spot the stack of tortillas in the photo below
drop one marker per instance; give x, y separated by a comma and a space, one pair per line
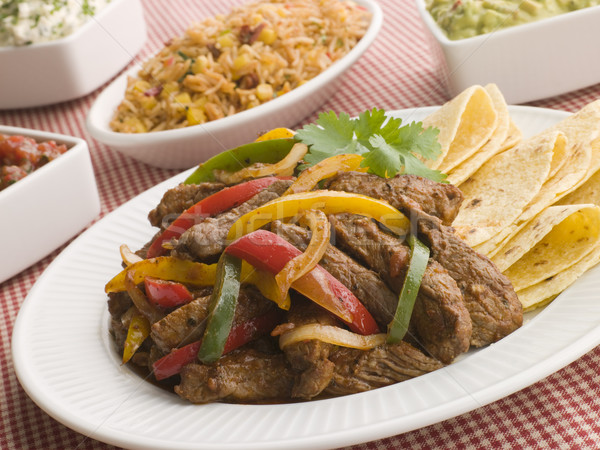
531, 205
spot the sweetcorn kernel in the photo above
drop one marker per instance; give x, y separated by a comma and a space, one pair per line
134, 125
264, 91
241, 61
141, 86
169, 88
267, 35
199, 65
226, 40
195, 116
148, 102
183, 98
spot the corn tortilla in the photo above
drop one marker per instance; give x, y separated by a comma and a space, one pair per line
494, 145
497, 193
543, 292
466, 123
565, 243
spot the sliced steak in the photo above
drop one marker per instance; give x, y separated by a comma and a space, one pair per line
242, 376
187, 323
176, 200
309, 358
208, 238
489, 296
359, 371
365, 284
403, 192
440, 319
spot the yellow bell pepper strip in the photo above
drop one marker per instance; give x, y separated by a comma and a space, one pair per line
270, 252
276, 133
149, 311
212, 205
138, 331
310, 177
330, 202
268, 152
414, 274
166, 294
172, 363
266, 284
330, 334
194, 274
165, 268
302, 264
284, 167
221, 309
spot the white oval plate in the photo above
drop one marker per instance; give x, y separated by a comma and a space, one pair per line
67, 364
185, 147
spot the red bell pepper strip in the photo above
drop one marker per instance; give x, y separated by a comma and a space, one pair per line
167, 294
270, 252
240, 334
213, 204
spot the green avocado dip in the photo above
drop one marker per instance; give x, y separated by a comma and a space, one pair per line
462, 19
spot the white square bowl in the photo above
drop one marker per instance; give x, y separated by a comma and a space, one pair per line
73, 66
528, 62
45, 209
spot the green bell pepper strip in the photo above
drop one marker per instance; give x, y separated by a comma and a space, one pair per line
222, 308
269, 152
416, 268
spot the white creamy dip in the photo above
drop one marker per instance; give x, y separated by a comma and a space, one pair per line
24, 22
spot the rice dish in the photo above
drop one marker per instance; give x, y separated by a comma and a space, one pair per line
231, 63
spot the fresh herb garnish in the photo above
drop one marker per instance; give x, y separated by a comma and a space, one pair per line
388, 147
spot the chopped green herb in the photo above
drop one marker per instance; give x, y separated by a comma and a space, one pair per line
388, 147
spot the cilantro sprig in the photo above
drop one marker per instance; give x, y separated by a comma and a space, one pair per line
388, 147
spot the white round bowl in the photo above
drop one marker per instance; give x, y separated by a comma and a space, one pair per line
73, 66
186, 147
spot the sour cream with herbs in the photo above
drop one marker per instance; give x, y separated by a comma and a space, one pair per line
24, 22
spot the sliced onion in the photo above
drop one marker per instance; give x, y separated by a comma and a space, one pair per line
309, 178
128, 256
304, 263
283, 168
149, 311
332, 335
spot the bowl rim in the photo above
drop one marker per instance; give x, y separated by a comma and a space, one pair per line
443, 39
74, 145
102, 132
65, 40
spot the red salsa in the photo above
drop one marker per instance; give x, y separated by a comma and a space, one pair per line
20, 155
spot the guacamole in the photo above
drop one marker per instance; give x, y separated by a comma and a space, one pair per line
461, 19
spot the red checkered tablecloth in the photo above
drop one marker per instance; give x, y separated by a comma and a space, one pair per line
398, 71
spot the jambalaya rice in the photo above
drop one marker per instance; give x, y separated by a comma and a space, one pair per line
227, 64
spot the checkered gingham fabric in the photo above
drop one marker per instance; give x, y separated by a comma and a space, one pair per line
398, 71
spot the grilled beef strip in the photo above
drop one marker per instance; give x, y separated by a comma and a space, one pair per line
187, 323
333, 370
364, 283
206, 240
309, 358
242, 376
176, 200
489, 295
360, 370
403, 191
440, 322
